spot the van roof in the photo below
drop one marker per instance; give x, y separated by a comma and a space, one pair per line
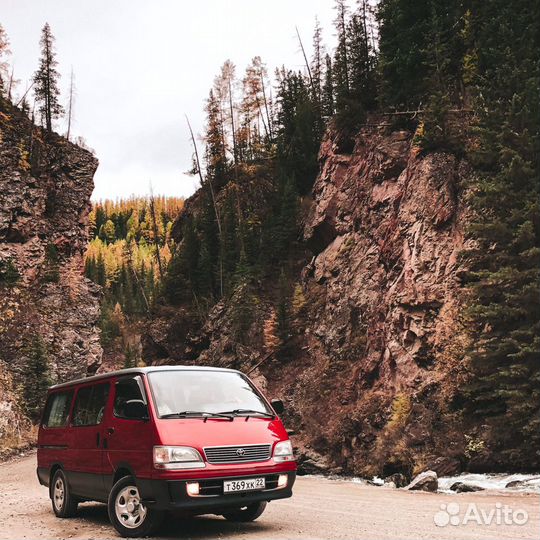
138, 370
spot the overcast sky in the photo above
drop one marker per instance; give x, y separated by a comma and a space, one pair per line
140, 65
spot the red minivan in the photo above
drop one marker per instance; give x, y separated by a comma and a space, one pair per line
146, 440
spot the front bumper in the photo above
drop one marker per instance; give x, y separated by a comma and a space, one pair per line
172, 494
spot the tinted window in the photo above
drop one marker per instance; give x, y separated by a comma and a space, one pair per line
126, 390
57, 409
207, 391
90, 405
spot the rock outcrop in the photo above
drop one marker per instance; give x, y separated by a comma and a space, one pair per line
426, 481
379, 361
375, 362
45, 188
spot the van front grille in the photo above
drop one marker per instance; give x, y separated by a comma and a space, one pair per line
238, 454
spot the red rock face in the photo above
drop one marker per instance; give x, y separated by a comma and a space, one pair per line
387, 225
376, 359
396, 225
45, 188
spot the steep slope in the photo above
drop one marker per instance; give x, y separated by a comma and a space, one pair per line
380, 363
45, 301
375, 360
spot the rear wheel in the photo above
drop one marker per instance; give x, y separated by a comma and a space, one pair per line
249, 512
63, 502
129, 516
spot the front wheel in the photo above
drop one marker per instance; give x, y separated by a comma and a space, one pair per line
63, 502
247, 513
128, 514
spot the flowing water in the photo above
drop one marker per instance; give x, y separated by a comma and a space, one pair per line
530, 483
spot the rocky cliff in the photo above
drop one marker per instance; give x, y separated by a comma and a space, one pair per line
382, 355
372, 384
45, 188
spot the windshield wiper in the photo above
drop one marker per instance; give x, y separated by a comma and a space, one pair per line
249, 412
203, 414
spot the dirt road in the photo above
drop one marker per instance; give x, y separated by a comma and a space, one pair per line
320, 508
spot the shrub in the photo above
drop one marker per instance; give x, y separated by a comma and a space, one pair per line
9, 275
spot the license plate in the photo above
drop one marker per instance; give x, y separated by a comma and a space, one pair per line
247, 484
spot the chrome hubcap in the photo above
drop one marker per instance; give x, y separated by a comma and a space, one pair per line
58, 494
128, 507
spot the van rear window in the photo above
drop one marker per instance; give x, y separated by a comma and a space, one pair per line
90, 405
57, 409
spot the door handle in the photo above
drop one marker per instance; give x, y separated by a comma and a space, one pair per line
97, 439
110, 431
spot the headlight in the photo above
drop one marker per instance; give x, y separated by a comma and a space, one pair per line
283, 451
177, 457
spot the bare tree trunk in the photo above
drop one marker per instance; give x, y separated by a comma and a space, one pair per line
70, 105
235, 149
24, 95
306, 61
261, 116
269, 120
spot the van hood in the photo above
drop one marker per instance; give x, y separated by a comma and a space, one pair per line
197, 433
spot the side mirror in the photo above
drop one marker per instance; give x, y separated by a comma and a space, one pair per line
277, 405
135, 409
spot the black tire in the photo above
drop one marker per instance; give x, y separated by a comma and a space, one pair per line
247, 513
127, 514
64, 504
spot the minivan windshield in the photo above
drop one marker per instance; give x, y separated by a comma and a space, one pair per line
189, 392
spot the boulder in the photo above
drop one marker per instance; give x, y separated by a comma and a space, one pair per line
397, 479
460, 487
523, 483
426, 481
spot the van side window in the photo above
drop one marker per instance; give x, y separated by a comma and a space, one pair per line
57, 409
127, 389
90, 405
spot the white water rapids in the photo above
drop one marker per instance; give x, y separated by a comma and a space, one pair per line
530, 483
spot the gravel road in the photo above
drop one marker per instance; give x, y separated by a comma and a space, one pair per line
320, 508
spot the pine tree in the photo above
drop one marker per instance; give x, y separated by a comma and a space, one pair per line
229, 246
35, 376
504, 392
361, 61
298, 137
327, 100
404, 30
242, 311
9, 275
215, 146
101, 277
46, 78
181, 279
224, 93
341, 57
317, 63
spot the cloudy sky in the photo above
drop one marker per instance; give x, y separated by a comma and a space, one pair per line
140, 65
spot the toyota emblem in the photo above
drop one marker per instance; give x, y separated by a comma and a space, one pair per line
240, 452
